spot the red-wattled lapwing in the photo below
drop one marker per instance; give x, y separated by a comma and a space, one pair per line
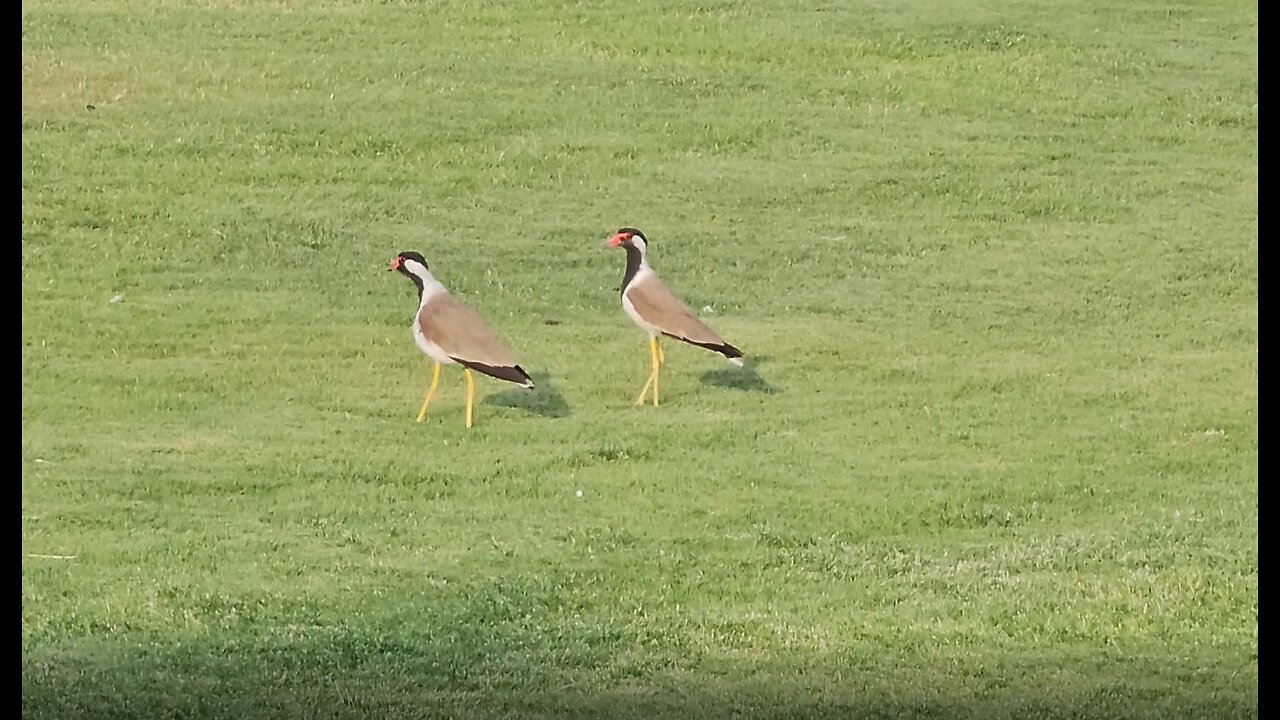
658, 311
452, 333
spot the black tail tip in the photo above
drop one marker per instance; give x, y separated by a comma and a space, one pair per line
528, 381
731, 353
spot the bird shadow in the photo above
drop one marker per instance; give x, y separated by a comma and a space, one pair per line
746, 378
544, 399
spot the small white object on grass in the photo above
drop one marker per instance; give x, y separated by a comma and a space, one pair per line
579, 493
116, 298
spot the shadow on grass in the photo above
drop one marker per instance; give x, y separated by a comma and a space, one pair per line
465, 673
746, 378
544, 399
529, 647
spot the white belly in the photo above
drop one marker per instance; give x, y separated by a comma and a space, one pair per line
635, 316
432, 350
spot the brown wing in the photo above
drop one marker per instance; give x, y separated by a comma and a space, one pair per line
462, 333
662, 309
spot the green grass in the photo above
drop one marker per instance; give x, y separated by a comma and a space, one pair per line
994, 455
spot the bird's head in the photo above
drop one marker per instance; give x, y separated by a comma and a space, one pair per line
410, 263
629, 237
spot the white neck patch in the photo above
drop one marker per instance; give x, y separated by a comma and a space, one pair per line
430, 286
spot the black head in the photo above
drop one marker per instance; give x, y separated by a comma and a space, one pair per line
398, 262
628, 236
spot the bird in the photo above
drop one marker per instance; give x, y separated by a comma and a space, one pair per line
451, 333
657, 310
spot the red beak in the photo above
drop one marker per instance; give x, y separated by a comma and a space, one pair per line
617, 239
395, 264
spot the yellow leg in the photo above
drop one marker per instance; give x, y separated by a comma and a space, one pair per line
435, 380
657, 367
653, 374
471, 392
645, 390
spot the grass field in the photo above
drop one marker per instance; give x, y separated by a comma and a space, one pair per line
994, 453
